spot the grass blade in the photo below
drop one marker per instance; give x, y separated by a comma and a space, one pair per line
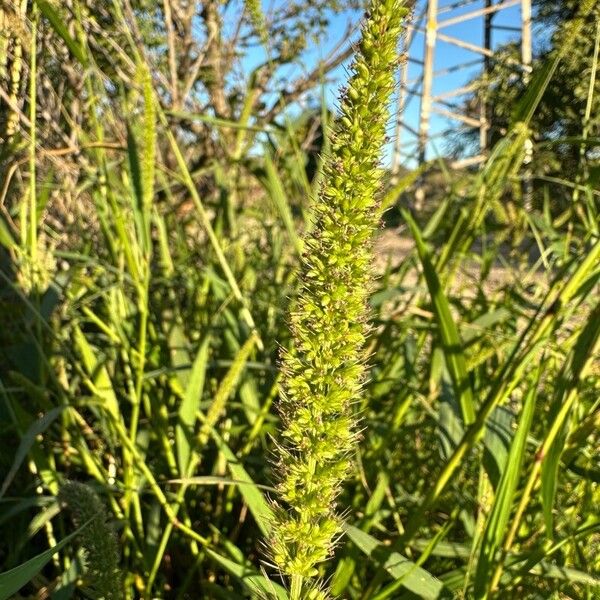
254, 498
567, 384
100, 378
495, 527
12, 581
27, 440
189, 406
277, 194
451, 342
206, 223
414, 578
259, 585
58, 24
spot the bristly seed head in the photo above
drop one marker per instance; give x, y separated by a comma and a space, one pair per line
98, 539
324, 373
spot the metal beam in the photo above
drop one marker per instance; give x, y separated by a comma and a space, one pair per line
484, 116
478, 13
484, 50
456, 5
430, 38
455, 68
448, 102
467, 162
526, 51
404, 96
465, 89
526, 58
506, 28
456, 116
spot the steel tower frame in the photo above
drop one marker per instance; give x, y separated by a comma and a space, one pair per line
431, 19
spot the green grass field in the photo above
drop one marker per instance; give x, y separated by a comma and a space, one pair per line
169, 335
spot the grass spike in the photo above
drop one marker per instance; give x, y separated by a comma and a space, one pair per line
98, 538
324, 373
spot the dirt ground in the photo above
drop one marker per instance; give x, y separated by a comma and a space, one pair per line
395, 245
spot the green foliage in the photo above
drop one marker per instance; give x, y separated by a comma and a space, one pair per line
12, 581
154, 240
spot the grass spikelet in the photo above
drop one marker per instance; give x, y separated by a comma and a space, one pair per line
149, 154
324, 373
98, 539
257, 18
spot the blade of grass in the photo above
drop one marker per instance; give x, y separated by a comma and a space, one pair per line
205, 221
259, 585
259, 507
566, 387
27, 440
561, 294
189, 406
451, 342
577, 364
224, 390
497, 520
12, 581
277, 194
414, 578
58, 24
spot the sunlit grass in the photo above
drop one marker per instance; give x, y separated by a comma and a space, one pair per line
141, 346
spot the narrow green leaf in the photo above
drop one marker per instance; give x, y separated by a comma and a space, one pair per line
392, 195
343, 575
27, 440
206, 223
254, 581
415, 578
19, 505
135, 171
347, 564
495, 528
254, 498
102, 384
58, 24
526, 107
275, 189
451, 342
550, 571
189, 406
483, 324
566, 384
497, 440
6, 237
12, 581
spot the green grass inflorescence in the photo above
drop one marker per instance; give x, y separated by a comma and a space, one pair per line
98, 539
324, 373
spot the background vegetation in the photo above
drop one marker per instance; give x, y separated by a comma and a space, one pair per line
156, 172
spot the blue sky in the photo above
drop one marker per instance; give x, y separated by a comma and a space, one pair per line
447, 55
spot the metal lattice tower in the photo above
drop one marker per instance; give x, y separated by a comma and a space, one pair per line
432, 20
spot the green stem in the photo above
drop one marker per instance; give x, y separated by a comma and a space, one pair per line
194, 462
296, 587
